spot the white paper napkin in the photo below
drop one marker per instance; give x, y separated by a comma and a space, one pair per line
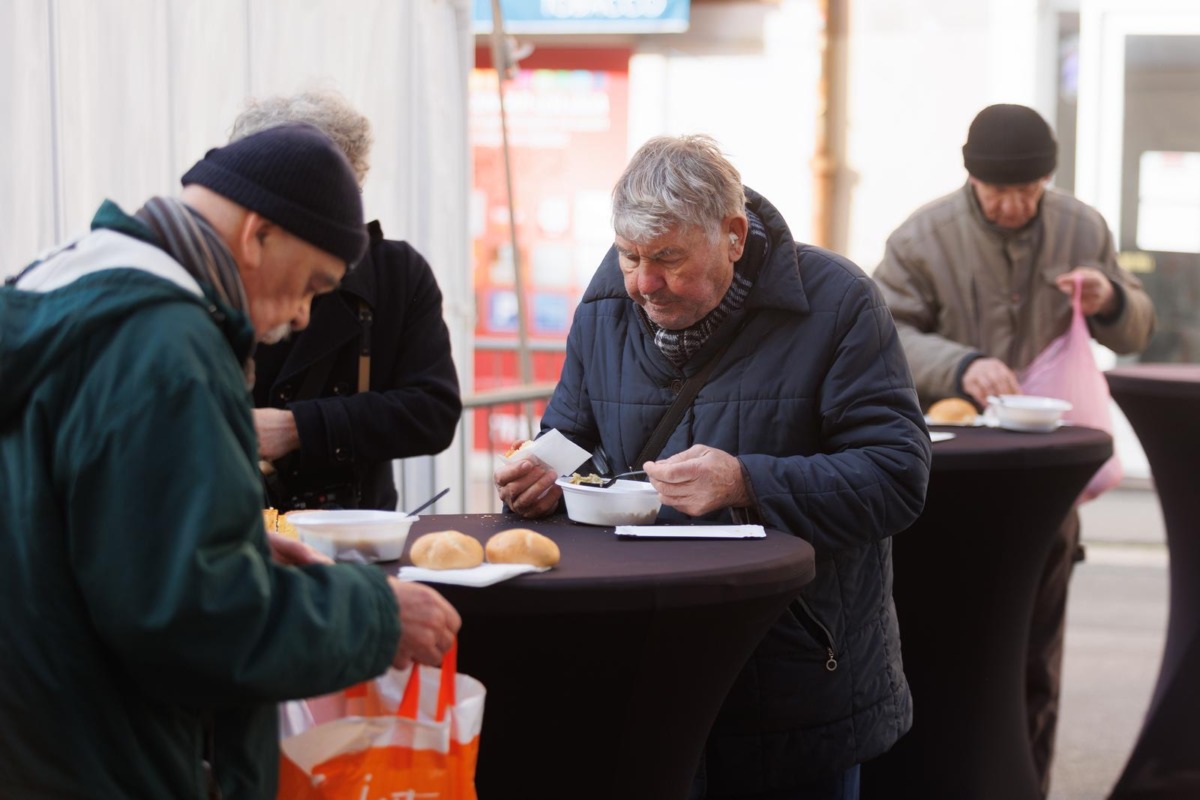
483, 575
692, 531
555, 451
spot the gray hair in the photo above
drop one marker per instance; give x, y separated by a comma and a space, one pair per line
676, 180
324, 109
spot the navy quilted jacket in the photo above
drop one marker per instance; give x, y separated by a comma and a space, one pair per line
816, 399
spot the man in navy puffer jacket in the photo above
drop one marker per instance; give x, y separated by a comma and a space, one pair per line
808, 424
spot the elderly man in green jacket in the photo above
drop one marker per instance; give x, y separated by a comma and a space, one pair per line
979, 283
146, 632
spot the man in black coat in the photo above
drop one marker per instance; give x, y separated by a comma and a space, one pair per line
371, 378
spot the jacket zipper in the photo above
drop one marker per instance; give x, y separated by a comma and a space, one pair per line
831, 664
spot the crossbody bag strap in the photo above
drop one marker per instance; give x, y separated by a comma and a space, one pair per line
318, 373
365, 318
687, 393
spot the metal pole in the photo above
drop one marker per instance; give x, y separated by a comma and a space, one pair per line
500, 63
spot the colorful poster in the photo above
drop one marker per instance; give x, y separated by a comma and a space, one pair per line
567, 146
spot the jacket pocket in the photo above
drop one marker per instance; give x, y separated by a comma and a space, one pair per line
819, 631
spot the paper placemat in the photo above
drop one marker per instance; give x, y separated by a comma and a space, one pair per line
483, 575
691, 531
941, 436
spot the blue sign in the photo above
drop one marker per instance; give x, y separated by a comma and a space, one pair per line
584, 16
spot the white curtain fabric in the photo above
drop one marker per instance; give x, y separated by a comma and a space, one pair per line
117, 99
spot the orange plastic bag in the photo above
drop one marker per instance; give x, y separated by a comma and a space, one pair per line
408, 733
1066, 369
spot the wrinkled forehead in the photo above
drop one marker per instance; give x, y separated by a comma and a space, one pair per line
674, 234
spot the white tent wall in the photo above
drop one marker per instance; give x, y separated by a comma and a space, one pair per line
118, 98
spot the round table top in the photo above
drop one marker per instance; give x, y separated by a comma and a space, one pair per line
600, 572
1164, 380
996, 448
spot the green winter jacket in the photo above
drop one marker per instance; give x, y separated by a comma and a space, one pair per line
143, 625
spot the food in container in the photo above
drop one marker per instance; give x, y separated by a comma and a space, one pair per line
1026, 412
354, 535
623, 503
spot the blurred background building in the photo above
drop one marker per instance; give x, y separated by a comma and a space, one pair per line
848, 114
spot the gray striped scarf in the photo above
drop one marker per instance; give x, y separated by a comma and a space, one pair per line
189, 239
679, 346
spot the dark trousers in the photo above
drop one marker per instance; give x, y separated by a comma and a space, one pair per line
1043, 663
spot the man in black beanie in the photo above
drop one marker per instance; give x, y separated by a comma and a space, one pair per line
979, 283
140, 597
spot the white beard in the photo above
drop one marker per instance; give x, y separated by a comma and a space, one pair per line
276, 334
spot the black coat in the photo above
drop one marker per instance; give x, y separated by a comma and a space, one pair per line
347, 439
816, 400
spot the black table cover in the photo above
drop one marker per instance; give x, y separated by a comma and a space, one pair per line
966, 574
604, 675
1162, 403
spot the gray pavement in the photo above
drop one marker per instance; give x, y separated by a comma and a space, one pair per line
1116, 621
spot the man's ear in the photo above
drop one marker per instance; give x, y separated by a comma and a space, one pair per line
737, 227
248, 239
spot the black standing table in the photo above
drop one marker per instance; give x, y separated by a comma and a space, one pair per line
966, 574
604, 675
1162, 403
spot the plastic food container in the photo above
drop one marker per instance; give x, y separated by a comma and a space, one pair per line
361, 536
623, 503
1025, 412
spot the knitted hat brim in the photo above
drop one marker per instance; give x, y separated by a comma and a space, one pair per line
346, 242
1010, 169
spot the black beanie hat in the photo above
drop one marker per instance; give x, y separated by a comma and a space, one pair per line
296, 177
1010, 144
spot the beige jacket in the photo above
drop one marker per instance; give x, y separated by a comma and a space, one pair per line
958, 287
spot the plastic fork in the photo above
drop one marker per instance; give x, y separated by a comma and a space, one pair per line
637, 473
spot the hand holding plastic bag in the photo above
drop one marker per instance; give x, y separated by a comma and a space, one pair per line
408, 733
1066, 369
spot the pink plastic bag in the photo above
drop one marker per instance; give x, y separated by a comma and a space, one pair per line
1067, 370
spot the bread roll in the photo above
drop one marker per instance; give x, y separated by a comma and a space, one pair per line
518, 447
952, 410
446, 550
522, 546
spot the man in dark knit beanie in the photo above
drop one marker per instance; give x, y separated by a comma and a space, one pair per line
286, 204
980, 283
1010, 144
162, 611
296, 177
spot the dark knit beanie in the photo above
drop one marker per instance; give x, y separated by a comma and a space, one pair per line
1010, 144
296, 177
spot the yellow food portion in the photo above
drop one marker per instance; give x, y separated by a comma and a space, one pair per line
277, 523
593, 479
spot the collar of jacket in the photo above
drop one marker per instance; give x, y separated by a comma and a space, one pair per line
778, 286
236, 326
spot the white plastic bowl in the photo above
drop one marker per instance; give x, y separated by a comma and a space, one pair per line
354, 535
1025, 412
623, 503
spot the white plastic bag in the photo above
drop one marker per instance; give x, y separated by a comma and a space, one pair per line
407, 733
